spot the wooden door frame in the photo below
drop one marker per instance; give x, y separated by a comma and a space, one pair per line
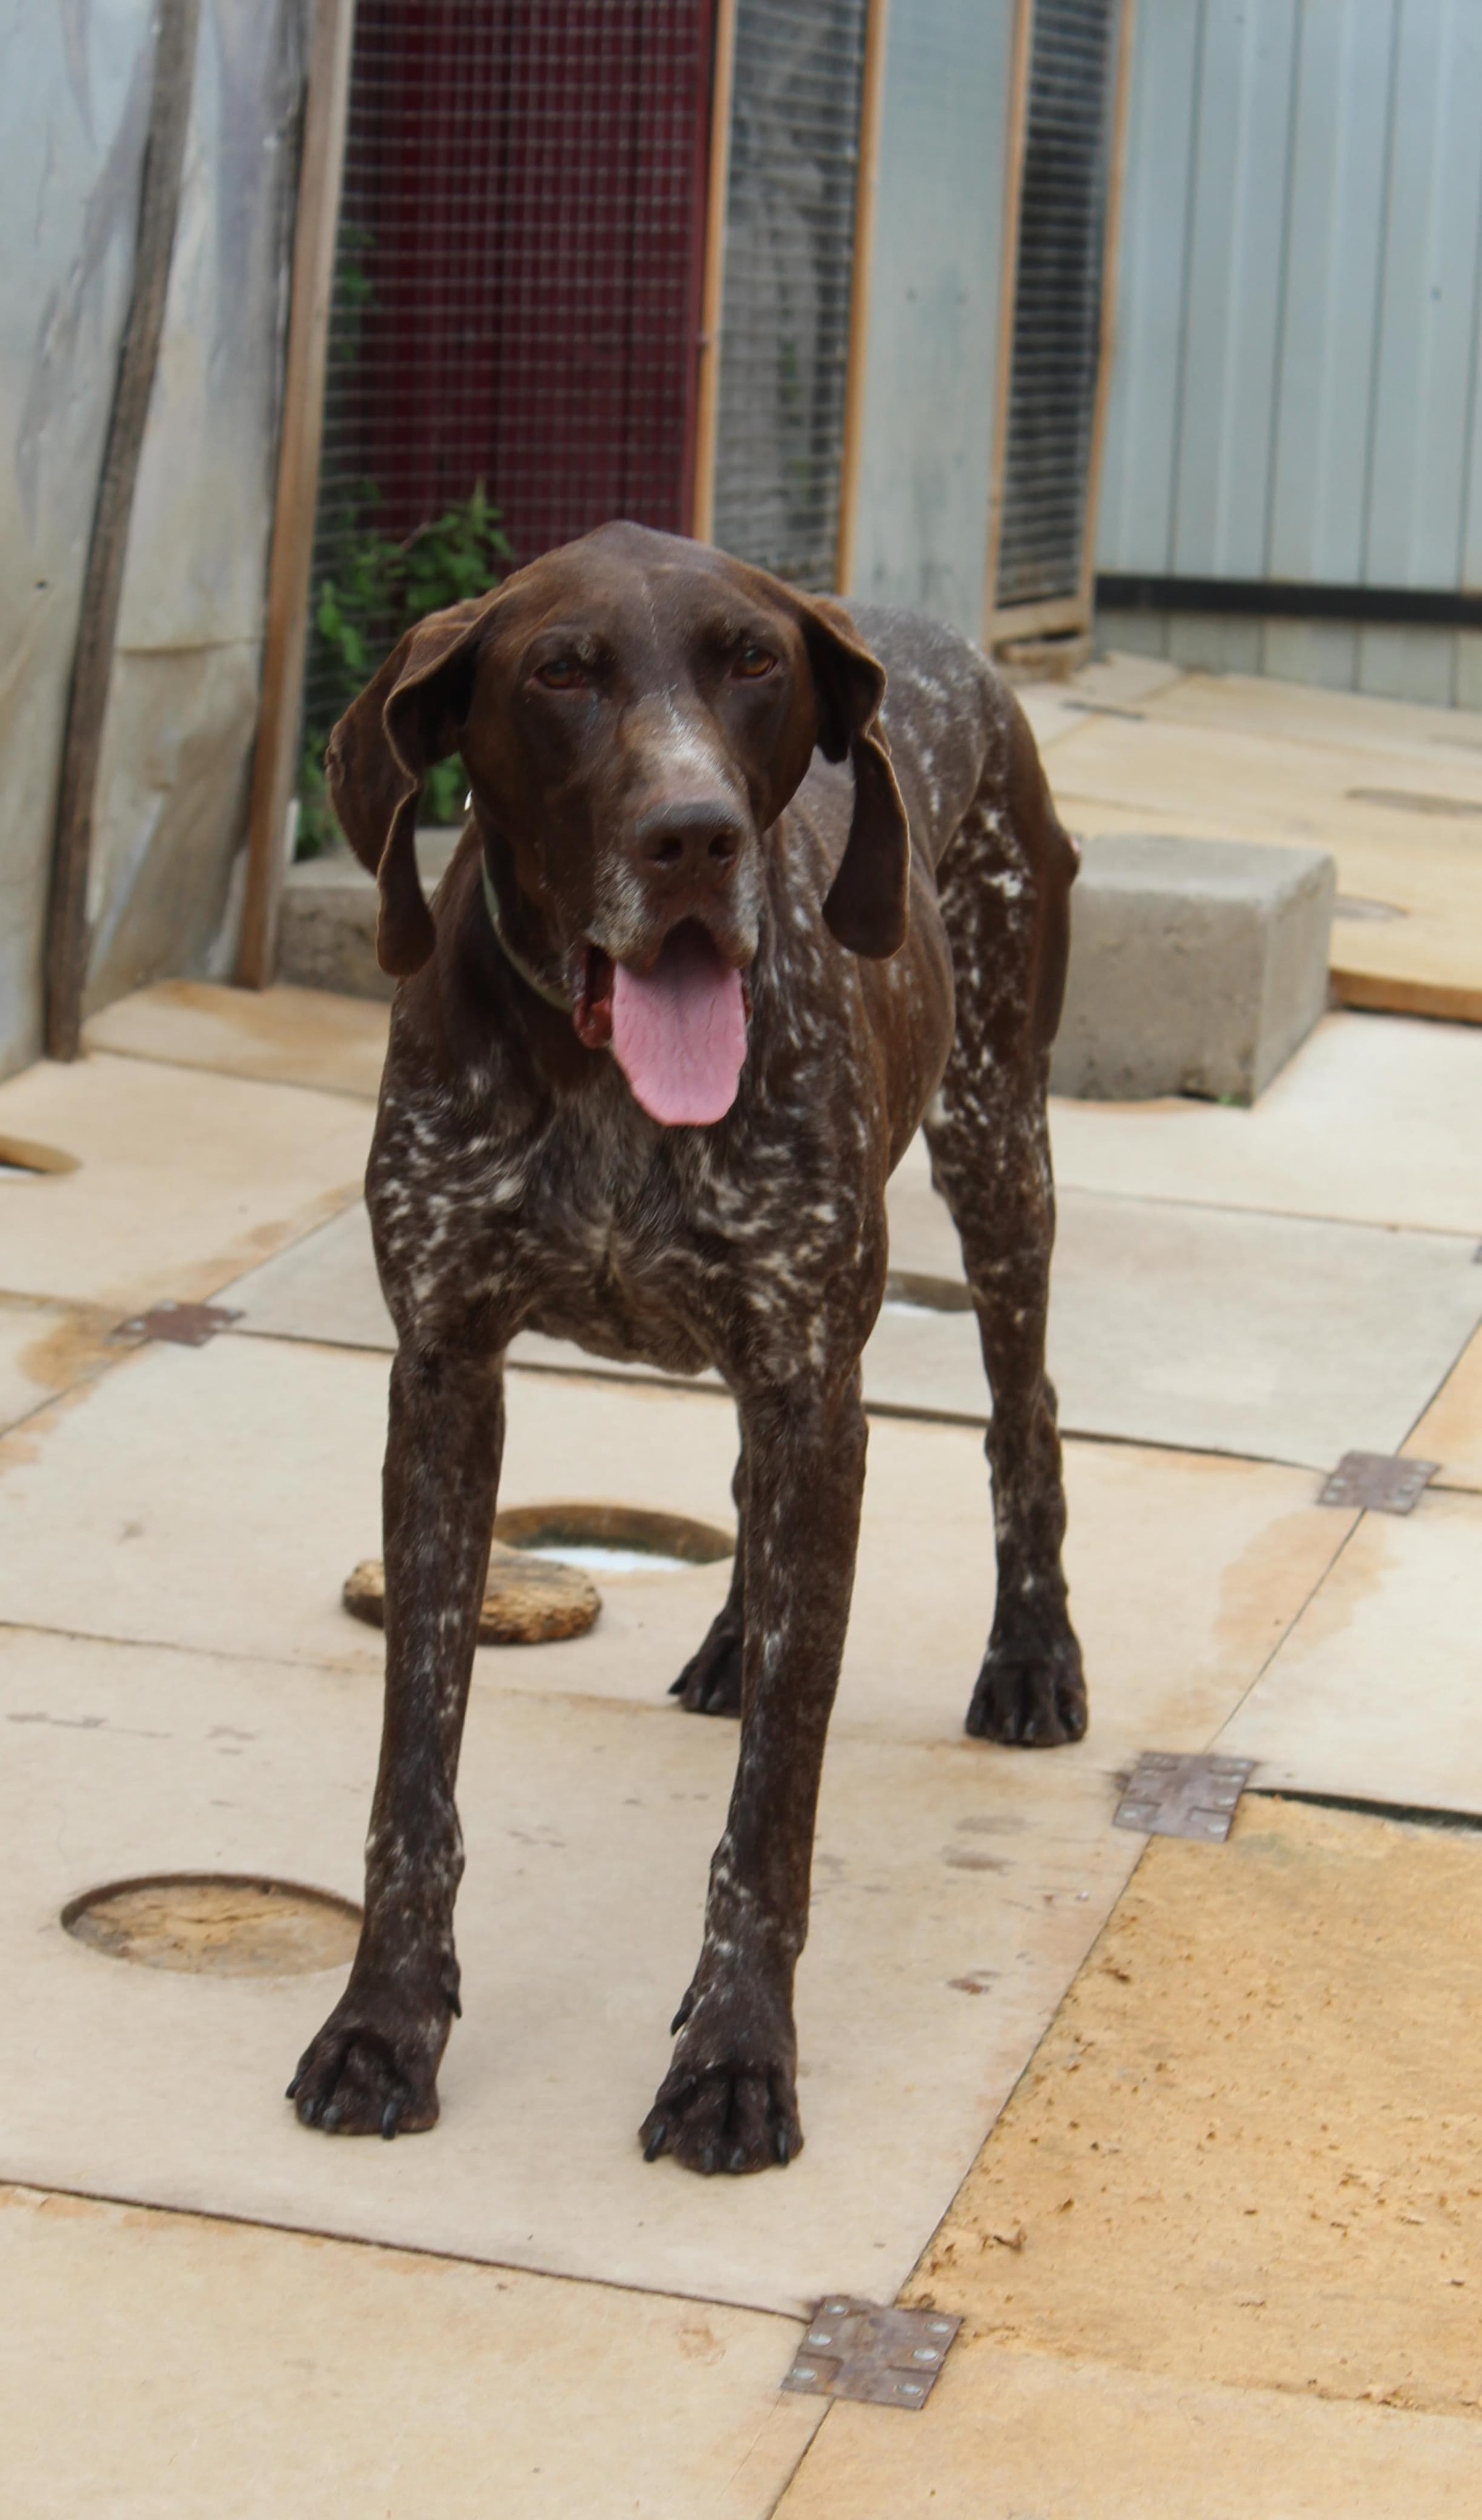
275, 761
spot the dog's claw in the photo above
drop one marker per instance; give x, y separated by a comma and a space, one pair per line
782, 2145
389, 2116
655, 2143
682, 2016
707, 2161
291, 2094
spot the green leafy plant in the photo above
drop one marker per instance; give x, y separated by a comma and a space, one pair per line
376, 590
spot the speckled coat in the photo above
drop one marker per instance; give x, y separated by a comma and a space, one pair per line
628, 685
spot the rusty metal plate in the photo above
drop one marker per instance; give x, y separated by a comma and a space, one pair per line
886, 2358
184, 1325
1379, 1482
1168, 1796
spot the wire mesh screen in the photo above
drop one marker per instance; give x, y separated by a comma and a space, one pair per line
514, 330
787, 282
1058, 302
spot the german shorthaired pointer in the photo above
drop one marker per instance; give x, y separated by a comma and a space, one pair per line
689, 991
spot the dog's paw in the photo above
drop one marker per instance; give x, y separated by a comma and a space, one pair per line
710, 1682
371, 2069
1030, 1696
729, 2101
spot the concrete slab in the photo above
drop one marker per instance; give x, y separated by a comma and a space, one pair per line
256, 2373
1196, 966
1009, 2434
1375, 1693
1246, 2154
937, 1958
1281, 1339
280, 1036
1258, 704
1402, 832
185, 1179
1450, 1430
1374, 1122
216, 1499
47, 1348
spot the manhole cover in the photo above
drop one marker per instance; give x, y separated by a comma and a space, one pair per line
526, 1602
217, 1924
612, 1539
28, 1155
908, 1291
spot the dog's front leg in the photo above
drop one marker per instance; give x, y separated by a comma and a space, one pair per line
373, 2068
730, 2099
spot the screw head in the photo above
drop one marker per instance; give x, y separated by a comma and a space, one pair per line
925, 2354
802, 2371
912, 2389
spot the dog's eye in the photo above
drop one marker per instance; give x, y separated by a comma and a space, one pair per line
560, 674
752, 661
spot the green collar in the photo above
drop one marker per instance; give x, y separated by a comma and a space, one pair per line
552, 996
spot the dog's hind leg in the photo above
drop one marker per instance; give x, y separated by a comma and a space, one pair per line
1004, 882
710, 1682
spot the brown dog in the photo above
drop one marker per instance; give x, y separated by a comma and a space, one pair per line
688, 993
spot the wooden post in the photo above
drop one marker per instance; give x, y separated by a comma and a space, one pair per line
1116, 178
707, 392
275, 762
1013, 186
872, 109
67, 929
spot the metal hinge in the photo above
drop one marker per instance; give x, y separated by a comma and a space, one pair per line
184, 1325
1183, 1797
1379, 1482
886, 2358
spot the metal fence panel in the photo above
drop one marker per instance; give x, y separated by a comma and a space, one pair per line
787, 282
922, 534
1057, 300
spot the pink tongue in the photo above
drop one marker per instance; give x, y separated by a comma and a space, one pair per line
679, 1032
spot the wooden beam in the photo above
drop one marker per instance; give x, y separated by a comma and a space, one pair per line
1003, 377
275, 762
66, 925
1106, 350
872, 110
707, 392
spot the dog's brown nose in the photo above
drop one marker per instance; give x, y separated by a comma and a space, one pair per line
699, 840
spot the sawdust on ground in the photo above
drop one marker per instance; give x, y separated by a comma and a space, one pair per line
1247, 2150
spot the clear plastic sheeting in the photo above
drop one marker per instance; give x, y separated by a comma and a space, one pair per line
787, 285
183, 701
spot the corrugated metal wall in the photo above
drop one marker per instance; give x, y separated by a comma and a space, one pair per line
183, 699
1296, 393
922, 535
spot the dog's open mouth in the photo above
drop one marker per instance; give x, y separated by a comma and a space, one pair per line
678, 1031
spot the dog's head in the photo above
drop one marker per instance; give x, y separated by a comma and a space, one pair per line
634, 711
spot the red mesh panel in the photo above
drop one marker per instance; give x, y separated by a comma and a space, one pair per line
516, 303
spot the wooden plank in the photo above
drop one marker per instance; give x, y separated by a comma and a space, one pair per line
871, 104
66, 931
1116, 181
275, 763
707, 392
1400, 993
1003, 373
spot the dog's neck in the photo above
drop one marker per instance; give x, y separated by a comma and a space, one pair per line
522, 963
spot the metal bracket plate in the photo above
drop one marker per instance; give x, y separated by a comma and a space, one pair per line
886, 2358
1379, 1482
184, 1325
1183, 1797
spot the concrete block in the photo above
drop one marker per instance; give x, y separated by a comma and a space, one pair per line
326, 926
1196, 966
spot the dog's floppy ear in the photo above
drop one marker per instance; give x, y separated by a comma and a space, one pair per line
867, 906
410, 715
